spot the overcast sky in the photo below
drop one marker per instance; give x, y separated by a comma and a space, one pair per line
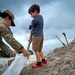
59, 16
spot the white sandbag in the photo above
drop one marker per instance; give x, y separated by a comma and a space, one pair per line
16, 66
3, 62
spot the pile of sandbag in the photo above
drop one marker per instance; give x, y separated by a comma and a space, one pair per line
5, 62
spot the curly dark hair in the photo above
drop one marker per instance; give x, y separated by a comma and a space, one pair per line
33, 8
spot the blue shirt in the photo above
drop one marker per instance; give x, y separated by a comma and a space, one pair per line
37, 24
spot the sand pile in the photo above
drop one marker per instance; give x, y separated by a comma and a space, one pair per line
61, 61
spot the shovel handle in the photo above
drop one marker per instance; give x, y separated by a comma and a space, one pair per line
60, 41
64, 34
28, 45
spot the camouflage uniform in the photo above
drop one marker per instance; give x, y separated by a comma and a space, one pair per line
6, 33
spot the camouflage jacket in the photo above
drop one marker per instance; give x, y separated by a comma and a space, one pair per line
6, 33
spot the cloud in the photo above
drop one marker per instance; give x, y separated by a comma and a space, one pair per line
60, 19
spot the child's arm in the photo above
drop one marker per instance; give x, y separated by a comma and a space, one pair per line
30, 39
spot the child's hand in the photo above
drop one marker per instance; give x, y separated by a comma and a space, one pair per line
30, 40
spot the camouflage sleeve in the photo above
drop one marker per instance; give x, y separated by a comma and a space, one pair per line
8, 36
13, 42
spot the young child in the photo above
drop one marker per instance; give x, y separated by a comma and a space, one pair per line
36, 35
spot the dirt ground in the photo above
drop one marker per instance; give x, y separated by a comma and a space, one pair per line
61, 61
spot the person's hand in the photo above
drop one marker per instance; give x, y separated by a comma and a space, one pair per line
30, 40
13, 53
25, 53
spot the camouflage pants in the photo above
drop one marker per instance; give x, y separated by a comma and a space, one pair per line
4, 47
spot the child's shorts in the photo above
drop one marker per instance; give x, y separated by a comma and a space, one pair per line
37, 43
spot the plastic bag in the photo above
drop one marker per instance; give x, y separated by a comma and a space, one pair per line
17, 65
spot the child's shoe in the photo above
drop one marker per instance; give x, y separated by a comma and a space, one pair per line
44, 62
37, 66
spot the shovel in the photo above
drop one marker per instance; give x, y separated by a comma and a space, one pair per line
65, 37
30, 51
60, 41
